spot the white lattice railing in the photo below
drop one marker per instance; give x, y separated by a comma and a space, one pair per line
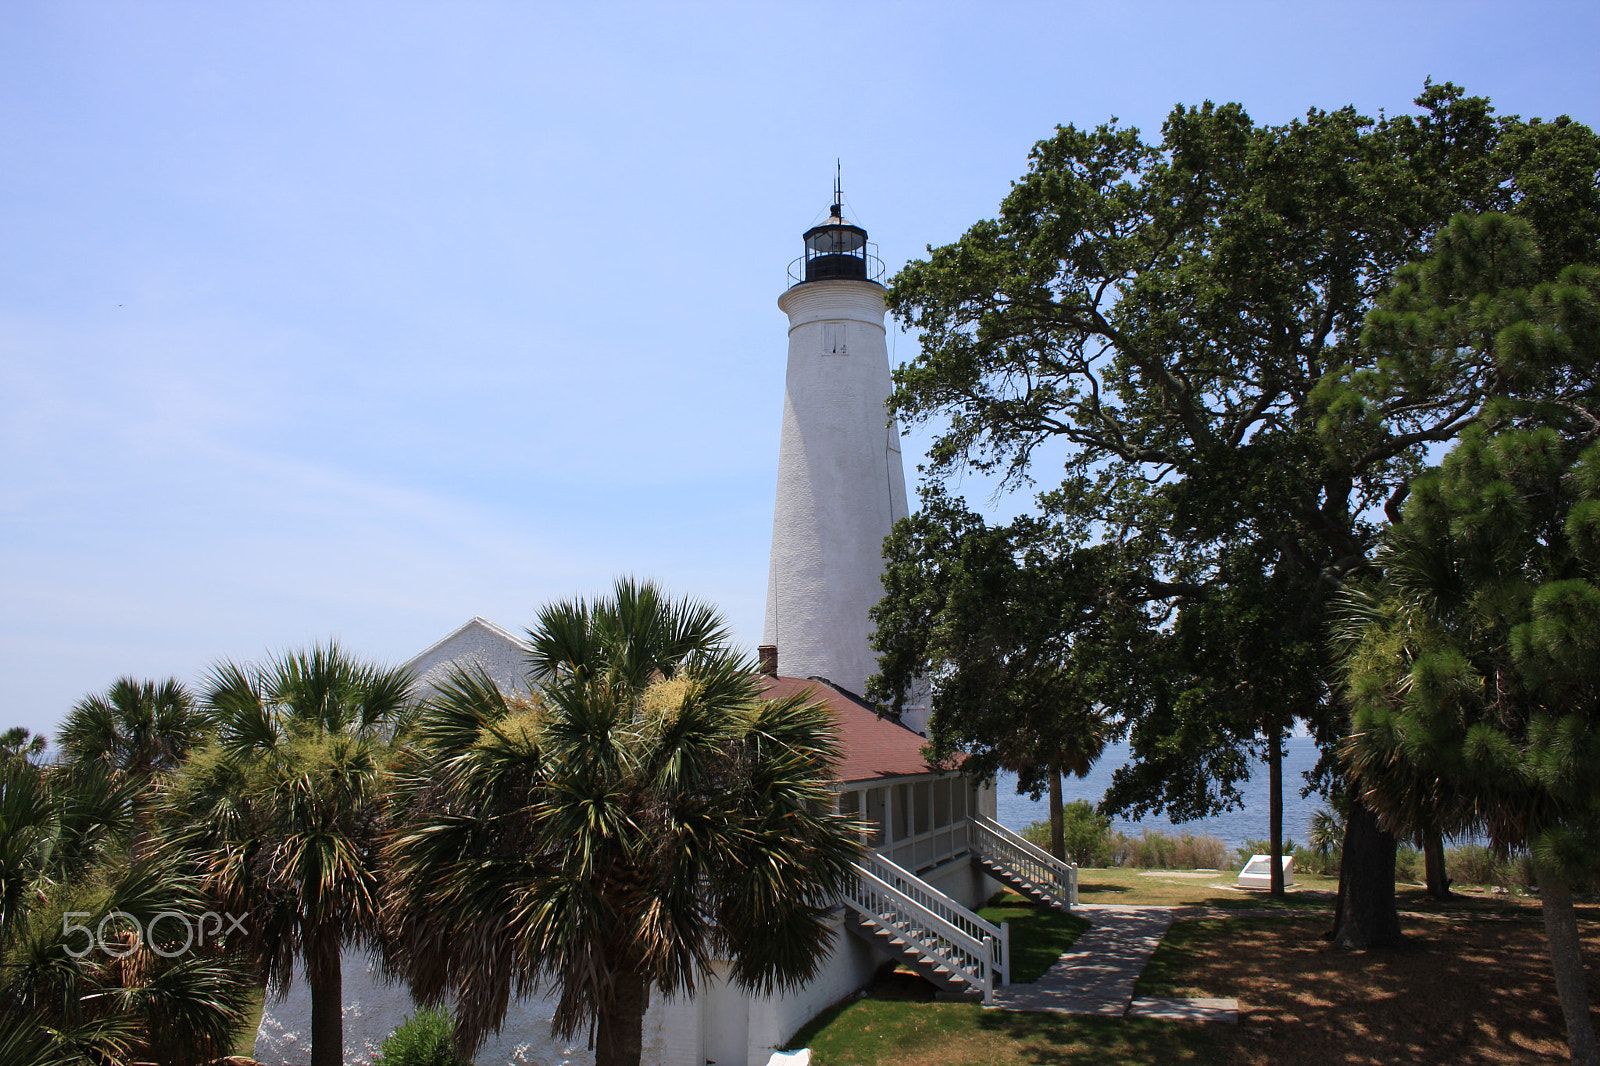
1001, 846
932, 936
974, 925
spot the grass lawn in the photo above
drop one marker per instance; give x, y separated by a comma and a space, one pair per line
881, 1032
1472, 985
1197, 888
1038, 934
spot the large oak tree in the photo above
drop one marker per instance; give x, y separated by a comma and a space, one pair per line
1177, 323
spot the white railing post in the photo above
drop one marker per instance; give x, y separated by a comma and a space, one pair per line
988, 971
1005, 954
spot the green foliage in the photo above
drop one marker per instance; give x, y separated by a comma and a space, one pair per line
1310, 861
1039, 935
1470, 662
1475, 864
426, 1038
1180, 320
16, 743
140, 728
288, 802
642, 813
1325, 852
65, 994
1091, 842
1408, 865
1470, 666
1086, 831
1153, 849
991, 619
1260, 847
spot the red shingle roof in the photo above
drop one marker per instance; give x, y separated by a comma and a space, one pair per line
873, 747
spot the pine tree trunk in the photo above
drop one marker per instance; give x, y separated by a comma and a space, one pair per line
619, 1031
1366, 915
1275, 830
1058, 828
1433, 862
326, 984
1566, 959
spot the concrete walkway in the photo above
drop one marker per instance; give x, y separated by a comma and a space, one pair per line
1097, 976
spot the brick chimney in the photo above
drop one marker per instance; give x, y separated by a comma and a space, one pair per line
769, 659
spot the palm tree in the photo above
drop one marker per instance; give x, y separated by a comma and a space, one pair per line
141, 731
78, 983
17, 743
1066, 733
288, 804
642, 813
139, 728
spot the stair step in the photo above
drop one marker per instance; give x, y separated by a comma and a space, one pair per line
1052, 897
954, 983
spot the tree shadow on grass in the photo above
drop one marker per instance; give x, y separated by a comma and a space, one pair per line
1460, 990
808, 1032
1295, 901
1085, 1040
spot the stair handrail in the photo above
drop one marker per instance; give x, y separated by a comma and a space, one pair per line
918, 889
976, 925
941, 941
1061, 875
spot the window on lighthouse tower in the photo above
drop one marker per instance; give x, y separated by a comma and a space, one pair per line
833, 339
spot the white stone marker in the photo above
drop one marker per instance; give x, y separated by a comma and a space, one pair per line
1257, 873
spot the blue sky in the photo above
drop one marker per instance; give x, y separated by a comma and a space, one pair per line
357, 320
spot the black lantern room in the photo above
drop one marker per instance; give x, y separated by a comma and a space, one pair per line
836, 251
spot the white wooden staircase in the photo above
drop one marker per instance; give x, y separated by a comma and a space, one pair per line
960, 952
1022, 866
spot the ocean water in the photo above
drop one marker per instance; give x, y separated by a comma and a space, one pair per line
1234, 827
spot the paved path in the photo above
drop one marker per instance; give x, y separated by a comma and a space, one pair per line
1097, 976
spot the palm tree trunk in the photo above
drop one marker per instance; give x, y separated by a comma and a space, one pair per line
1275, 805
1058, 829
326, 984
1566, 959
1365, 916
1433, 863
619, 1031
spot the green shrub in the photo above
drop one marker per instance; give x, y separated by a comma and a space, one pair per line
1091, 841
1408, 865
1311, 861
1037, 834
1261, 847
1327, 844
1327, 831
1086, 832
1155, 850
426, 1038
1474, 864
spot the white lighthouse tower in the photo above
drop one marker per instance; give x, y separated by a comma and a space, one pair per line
841, 484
